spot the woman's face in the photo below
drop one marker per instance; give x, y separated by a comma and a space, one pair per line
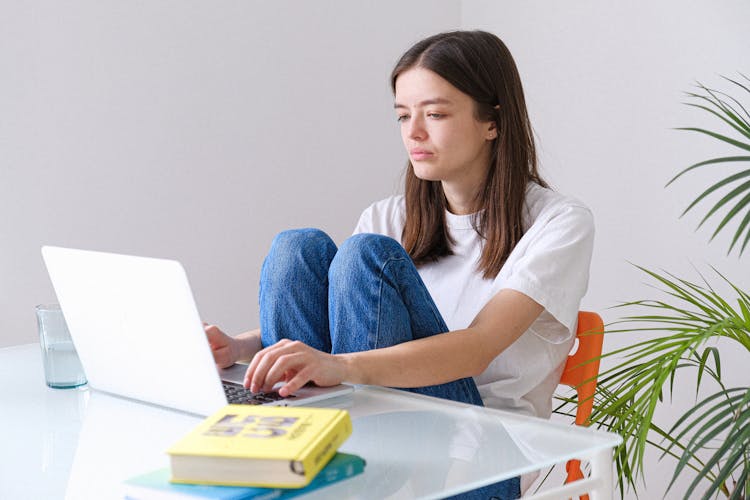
444, 140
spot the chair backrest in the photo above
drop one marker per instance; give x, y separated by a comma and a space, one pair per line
580, 372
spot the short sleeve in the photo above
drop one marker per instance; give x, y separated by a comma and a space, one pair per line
552, 267
364, 225
383, 217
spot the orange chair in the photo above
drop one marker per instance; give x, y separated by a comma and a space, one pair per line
580, 372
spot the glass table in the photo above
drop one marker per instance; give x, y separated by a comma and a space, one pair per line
81, 443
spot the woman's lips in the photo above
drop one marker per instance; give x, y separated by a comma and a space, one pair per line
420, 154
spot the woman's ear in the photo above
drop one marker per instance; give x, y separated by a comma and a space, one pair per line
492, 131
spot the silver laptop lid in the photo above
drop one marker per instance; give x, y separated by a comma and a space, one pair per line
137, 331
136, 328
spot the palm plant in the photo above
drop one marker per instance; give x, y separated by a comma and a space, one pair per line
732, 112
713, 438
629, 393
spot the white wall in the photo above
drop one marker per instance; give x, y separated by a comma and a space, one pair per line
604, 82
192, 130
196, 130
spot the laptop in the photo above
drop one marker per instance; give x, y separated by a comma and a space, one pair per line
137, 331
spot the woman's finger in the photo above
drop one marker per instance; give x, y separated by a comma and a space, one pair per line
262, 362
253, 366
286, 366
296, 383
256, 374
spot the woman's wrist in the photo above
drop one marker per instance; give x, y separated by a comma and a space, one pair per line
246, 345
351, 370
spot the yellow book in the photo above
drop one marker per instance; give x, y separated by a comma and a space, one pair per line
268, 446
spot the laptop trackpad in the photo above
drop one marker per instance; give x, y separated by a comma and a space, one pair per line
234, 373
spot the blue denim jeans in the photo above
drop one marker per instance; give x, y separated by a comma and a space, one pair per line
365, 295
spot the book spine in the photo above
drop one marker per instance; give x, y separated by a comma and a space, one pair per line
322, 450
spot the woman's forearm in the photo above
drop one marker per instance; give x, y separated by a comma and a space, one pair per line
447, 356
418, 363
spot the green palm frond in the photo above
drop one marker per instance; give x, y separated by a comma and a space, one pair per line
625, 477
722, 417
676, 332
732, 112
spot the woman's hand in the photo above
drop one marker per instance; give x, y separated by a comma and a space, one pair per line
294, 363
223, 347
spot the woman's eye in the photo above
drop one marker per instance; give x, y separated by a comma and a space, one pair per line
435, 116
402, 118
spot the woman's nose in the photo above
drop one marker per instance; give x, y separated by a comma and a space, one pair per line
417, 130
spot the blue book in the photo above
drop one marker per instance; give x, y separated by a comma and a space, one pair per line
155, 485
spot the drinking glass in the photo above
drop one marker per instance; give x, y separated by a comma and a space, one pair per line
62, 368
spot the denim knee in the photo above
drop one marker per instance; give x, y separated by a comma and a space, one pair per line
364, 251
306, 243
297, 253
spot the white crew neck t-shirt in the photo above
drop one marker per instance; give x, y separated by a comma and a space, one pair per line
550, 264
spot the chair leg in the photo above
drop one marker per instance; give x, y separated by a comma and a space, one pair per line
573, 467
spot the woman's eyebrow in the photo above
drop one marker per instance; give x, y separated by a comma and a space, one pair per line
426, 102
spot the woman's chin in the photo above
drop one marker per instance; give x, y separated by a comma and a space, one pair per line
426, 174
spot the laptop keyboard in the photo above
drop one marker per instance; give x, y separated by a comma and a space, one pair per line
237, 394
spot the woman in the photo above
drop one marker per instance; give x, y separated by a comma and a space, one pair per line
467, 287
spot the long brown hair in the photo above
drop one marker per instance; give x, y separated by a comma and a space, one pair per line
478, 64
